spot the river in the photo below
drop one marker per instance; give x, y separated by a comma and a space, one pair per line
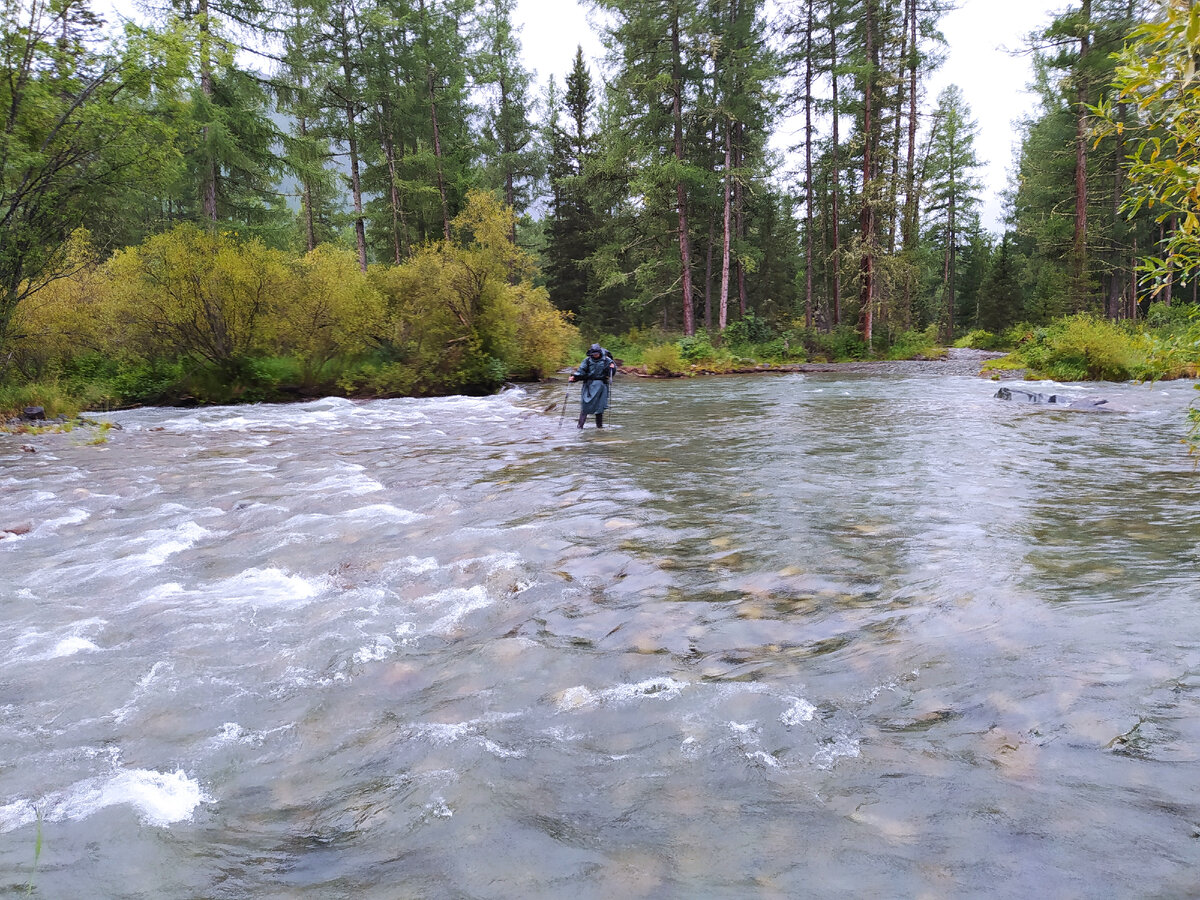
793, 635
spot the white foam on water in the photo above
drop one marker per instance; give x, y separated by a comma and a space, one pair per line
462, 602
471, 732
800, 711
443, 733
384, 511
269, 585
170, 542
70, 646
258, 587
233, 733
503, 752
416, 566
579, 697
743, 727
564, 735
346, 485
122, 713
841, 746
74, 517
159, 798
763, 758
383, 647
53, 644
494, 561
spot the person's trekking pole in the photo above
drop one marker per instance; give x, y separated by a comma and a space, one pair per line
566, 400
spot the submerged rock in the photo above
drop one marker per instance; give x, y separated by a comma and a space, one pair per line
1022, 396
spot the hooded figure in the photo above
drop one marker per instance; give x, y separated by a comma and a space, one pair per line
595, 372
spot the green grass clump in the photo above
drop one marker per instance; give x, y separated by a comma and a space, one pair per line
49, 395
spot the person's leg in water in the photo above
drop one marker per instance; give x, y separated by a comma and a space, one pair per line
582, 418
599, 420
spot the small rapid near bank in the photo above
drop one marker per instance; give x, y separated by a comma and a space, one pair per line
822, 635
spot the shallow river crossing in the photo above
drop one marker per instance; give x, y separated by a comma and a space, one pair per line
776, 636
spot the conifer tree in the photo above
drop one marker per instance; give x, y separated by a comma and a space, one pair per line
953, 188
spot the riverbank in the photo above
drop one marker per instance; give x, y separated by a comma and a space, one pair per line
957, 361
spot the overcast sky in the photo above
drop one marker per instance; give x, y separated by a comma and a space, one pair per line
980, 34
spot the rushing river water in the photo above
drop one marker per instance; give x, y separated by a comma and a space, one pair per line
778, 636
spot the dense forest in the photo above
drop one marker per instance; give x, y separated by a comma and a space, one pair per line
375, 196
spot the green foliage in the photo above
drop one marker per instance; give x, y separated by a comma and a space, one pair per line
195, 294
1193, 437
329, 309
912, 344
842, 344
663, 359
1086, 348
747, 331
195, 316
463, 316
77, 135
1157, 77
49, 395
979, 339
696, 347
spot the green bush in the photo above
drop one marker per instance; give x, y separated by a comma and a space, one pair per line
748, 331
1085, 348
911, 344
979, 339
697, 347
663, 359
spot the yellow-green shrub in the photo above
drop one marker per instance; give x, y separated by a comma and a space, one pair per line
328, 308
194, 293
664, 359
65, 317
463, 315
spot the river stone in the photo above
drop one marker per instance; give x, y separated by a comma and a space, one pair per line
17, 529
1086, 403
33, 413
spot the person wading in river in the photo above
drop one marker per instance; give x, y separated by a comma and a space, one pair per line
595, 372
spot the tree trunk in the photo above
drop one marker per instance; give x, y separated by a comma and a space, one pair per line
867, 216
437, 134
437, 155
360, 230
510, 194
739, 213
208, 186
708, 264
1164, 231
1079, 248
835, 226
306, 200
952, 266
910, 228
685, 250
723, 296
808, 189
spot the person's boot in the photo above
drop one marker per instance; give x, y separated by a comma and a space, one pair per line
582, 419
599, 420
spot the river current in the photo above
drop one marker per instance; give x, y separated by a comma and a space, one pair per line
777, 636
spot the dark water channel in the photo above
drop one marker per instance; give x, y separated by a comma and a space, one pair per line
780, 636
